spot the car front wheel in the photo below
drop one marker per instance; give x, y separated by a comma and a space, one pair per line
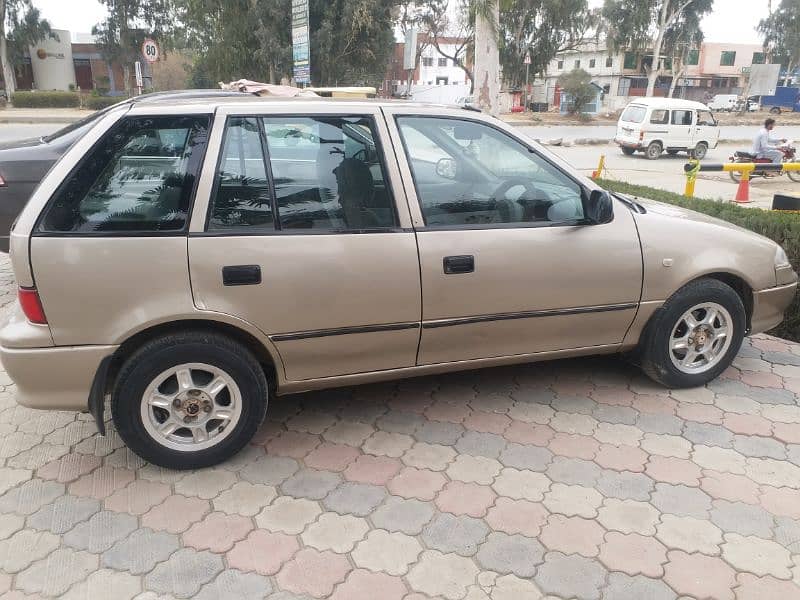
190, 400
695, 336
628, 151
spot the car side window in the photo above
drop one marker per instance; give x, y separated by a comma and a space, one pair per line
659, 117
328, 174
682, 117
140, 177
242, 197
705, 118
470, 174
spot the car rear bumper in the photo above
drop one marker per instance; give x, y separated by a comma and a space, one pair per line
57, 378
628, 144
769, 306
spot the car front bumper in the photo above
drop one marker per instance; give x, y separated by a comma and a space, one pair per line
769, 306
57, 378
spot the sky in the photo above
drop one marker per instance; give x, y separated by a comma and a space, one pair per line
731, 21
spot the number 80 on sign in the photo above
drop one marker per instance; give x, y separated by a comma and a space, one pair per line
150, 50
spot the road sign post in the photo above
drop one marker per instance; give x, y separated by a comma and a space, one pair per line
139, 80
527, 84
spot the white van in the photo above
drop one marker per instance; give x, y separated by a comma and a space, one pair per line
726, 102
655, 125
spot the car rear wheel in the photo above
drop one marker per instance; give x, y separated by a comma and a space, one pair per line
653, 151
695, 336
628, 151
189, 400
700, 151
775, 110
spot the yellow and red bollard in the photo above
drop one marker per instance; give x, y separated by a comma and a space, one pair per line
600, 167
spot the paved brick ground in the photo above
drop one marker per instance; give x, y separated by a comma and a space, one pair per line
576, 479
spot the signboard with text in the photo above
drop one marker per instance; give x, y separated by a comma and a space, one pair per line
300, 43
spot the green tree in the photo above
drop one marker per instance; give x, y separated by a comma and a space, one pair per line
679, 40
21, 26
643, 25
540, 29
352, 41
577, 84
126, 26
781, 34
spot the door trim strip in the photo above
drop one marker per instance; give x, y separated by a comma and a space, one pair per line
531, 314
317, 333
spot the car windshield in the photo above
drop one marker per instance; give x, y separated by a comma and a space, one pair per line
74, 126
634, 114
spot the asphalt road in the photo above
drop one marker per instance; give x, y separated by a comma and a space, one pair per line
665, 173
607, 132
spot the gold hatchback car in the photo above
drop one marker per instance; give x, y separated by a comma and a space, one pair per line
188, 259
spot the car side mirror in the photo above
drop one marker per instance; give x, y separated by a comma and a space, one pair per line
447, 168
599, 208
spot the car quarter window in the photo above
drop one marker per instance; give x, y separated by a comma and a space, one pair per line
140, 177
682, 117
328, 174
470, 174
241, 197
659, 117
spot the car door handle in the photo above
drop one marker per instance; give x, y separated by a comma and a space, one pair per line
454, 265
241, 275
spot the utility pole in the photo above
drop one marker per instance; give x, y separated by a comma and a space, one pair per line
487, 59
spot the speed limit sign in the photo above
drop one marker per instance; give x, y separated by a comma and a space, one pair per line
150, 50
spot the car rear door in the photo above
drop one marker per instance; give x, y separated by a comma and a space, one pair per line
299, 234
506, 268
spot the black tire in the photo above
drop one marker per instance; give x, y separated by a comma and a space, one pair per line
794, 175
700, 151
628, 151
654, 351
654, 150
775, 110
162, 353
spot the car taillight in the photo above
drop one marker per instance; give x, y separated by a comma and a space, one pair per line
641, 135
32, 305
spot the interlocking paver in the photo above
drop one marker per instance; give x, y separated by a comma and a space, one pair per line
521, 485
270, 470
311, 483
101, 531
263, 552
756, 555
332, 531
504, 553
235, 584
489, 445
521, 456
416, 483
363, 585
63, 514
625, 485
176, 513
186, 571
699, 576
574, 471
30, 496
289, 515
745, 519
389, 552
358, 499
681, 500
462, 498
628, 516
244, 498
105, 583
624, 587
517, 516
328, 570
24, 547
141, 551
376, 470
689, 534
572, 535
633, 554
451, 533
573, 500
137, 498
446, 575
217, 532
10, 524
570, 576
55, 574
761, 588
408, 516
735, 488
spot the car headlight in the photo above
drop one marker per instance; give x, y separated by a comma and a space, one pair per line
781, 259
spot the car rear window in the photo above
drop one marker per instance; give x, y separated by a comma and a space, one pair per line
634, 114
139, 178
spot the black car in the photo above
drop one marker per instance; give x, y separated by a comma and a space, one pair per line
23, 163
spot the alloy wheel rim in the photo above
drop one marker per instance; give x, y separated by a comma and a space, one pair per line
701, 338
191, 406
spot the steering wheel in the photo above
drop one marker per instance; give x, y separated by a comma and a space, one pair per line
509, 210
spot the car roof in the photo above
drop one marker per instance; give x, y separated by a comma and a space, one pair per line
668, 103
214, 101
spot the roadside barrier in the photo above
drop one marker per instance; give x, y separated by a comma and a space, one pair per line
601, 166
693, 167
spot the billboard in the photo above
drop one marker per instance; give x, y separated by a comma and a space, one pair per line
764, 79
301, 56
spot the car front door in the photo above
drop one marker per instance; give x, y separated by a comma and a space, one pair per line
302, 238
681, 129
706, 131
508, 267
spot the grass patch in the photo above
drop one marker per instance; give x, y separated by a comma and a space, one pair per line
781, 227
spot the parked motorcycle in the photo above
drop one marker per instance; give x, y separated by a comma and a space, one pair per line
741, 156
